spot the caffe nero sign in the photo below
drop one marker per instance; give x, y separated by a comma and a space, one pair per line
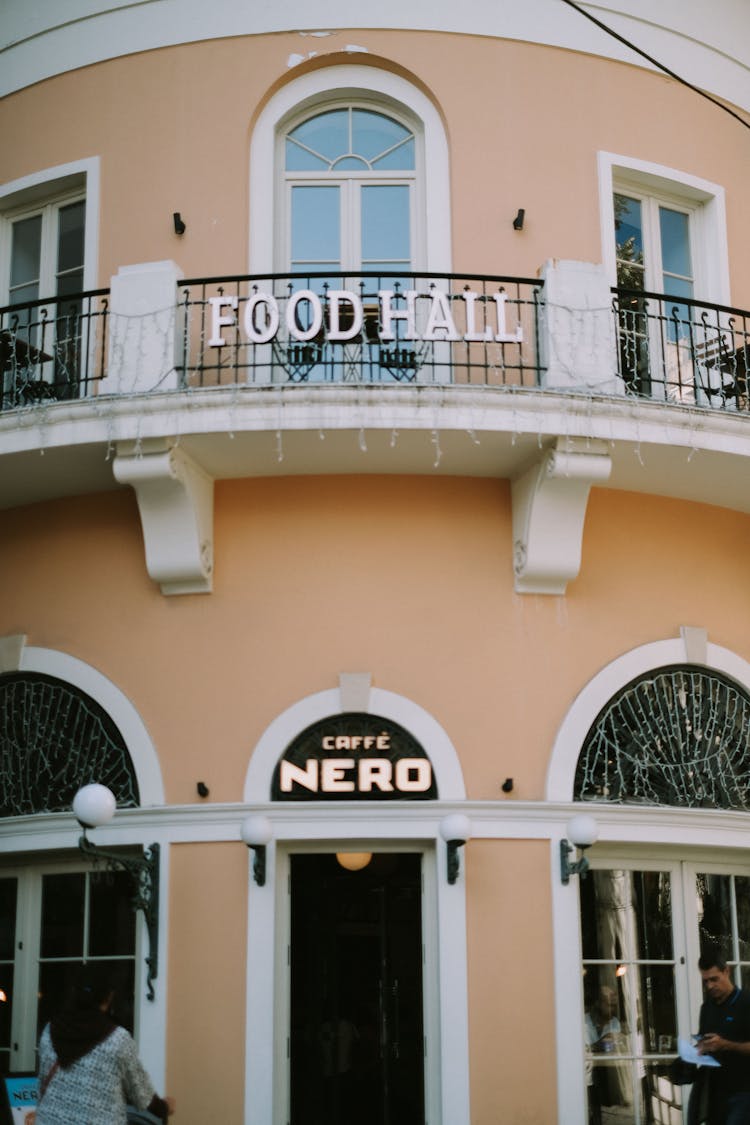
354, 756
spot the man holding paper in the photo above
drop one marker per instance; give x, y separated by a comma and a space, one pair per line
724, 1033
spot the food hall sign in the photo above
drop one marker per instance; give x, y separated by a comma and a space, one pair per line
354, 756
341, 315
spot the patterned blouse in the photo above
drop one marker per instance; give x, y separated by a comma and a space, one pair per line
97, 1087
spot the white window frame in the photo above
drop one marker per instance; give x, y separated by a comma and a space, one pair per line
350, 183
51, 188
703, 200
27, 960
620, 827
379, 90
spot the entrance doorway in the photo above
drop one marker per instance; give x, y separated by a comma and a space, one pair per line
356, 1050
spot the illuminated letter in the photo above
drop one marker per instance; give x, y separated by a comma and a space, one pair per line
503, 336
384, 741
375, 772
291, 315
342, 742
418, 766
218, 321
440, 319
255, 334
471, 322
328, 742
333, 780
335, 331
308, 777
387, 314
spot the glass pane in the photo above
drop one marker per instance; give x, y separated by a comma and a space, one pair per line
675, 242
57, 977
385, 224
742, 893
8, 896
55, 981
62, 915
112, 919
629, 242
70, 237
25, 254
6, 1005
653, 894
655, 1032
300, 160
326, 134
606, 1026
352, 163
399, 159
713, 900
316, 235
374, 134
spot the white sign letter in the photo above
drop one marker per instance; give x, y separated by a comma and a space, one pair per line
413, 775
440, 319
333, 779
335, 331
503, 336
387, 314
254, 333
375, 772
471, 332
218, 321
308, 777
316, 308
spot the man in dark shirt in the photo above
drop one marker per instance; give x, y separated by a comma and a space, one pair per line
724, 1030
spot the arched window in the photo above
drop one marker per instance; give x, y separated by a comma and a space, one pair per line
53, 739
350, 179
676, 736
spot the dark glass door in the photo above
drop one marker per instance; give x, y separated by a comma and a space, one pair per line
357, 1041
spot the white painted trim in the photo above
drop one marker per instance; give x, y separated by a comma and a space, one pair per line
39, 186
286, 726
709, 220
336, 82
51, 662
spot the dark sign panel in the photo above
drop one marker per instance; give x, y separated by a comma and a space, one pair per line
354, 756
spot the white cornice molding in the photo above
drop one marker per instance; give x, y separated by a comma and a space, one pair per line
707, 44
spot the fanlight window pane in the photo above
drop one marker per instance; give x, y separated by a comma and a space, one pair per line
374, 135
326, 135
349, 139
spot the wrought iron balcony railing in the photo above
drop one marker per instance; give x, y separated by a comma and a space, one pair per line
679, 350
53, 349
363, 328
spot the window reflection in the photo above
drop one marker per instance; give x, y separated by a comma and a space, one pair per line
629, 996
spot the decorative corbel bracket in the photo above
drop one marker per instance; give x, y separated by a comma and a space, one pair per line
549, 508
175, 501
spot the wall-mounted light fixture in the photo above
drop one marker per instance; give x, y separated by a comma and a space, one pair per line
518, 221
583, 831
94, 806
179, 224
455, 830
256, 832
353, 861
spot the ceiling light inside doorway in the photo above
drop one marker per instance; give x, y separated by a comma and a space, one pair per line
353, 861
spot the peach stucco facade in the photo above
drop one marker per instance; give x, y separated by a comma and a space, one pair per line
367, 543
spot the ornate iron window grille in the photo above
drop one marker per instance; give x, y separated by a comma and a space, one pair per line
54, 739
677, 736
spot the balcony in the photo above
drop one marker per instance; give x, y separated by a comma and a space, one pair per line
553, 384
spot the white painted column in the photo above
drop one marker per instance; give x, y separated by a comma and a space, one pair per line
143, 329
577, 339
